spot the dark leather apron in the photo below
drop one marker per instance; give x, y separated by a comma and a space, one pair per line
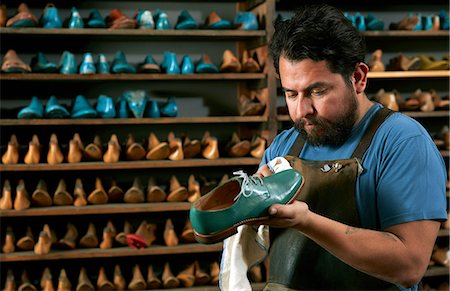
298, 263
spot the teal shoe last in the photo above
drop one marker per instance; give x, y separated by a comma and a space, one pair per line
82, 108
54, 110
34, 110
241, 200
185, 21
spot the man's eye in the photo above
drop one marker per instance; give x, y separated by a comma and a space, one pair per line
318, 92
290, 95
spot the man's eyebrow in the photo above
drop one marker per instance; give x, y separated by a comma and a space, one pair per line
309, 88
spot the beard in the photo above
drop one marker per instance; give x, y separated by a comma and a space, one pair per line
330, 132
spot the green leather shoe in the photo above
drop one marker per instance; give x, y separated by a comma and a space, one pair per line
241, 200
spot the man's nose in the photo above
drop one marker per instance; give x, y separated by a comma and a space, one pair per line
304, 107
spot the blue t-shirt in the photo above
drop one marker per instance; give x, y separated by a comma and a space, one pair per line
404, 173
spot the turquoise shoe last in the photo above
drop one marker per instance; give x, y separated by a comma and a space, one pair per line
67, 63
144, 19
170, 63
152, 109
82, 108
50, 17
241, 200
246, 20
120, 64
87, 66
34, 110
75, 19
187, 66
102, 64
54, 110
40, 64
170, 108
186, 21
105, 107
161, 20
95, 19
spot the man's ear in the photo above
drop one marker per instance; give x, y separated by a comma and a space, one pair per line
360, 77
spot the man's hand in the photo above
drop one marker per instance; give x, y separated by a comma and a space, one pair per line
293, 215
263, 171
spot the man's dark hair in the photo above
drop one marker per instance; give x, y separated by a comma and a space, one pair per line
319, 32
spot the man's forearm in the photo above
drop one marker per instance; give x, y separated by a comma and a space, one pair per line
381, 254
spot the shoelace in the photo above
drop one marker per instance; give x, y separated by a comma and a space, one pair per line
248, 182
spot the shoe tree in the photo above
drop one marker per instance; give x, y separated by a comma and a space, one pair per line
186, 276
210, 147
25, 283
230, 63
75, 153
89, 240
22, 200
54, 155
177, 192
170, 237
375, 63
134, 151
115, 193
214, 271
63, 282
10, 239
168, 279
76, 149
98, 196
154, 192
255, 274
11, 156
44, 244
257, 147
187, 235
10, 284
112, 153
249, 63
152, 280
387, 99
157, 150
46, 282
61, 196
79, 194
201, 277
236, 147
249, 105
33, 155
40, 196
147, 232
193, 189
102, 281
425, 99
6, 201
136, 193
121, 237
84, 284
176, 147
137, 281
26, 242
191, 148
93, 151
108, 235
119, 280
69, 241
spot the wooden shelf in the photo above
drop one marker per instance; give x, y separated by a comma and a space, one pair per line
131, 77
406, 33
108, 253
444, 232
409, 74
169, 34
110, 208
414, 114
436, 271
87, 166
125, 121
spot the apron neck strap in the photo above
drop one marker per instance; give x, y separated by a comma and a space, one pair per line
365, 141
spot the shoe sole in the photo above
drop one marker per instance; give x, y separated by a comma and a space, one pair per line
214, 238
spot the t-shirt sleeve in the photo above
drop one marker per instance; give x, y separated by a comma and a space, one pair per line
411, 182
